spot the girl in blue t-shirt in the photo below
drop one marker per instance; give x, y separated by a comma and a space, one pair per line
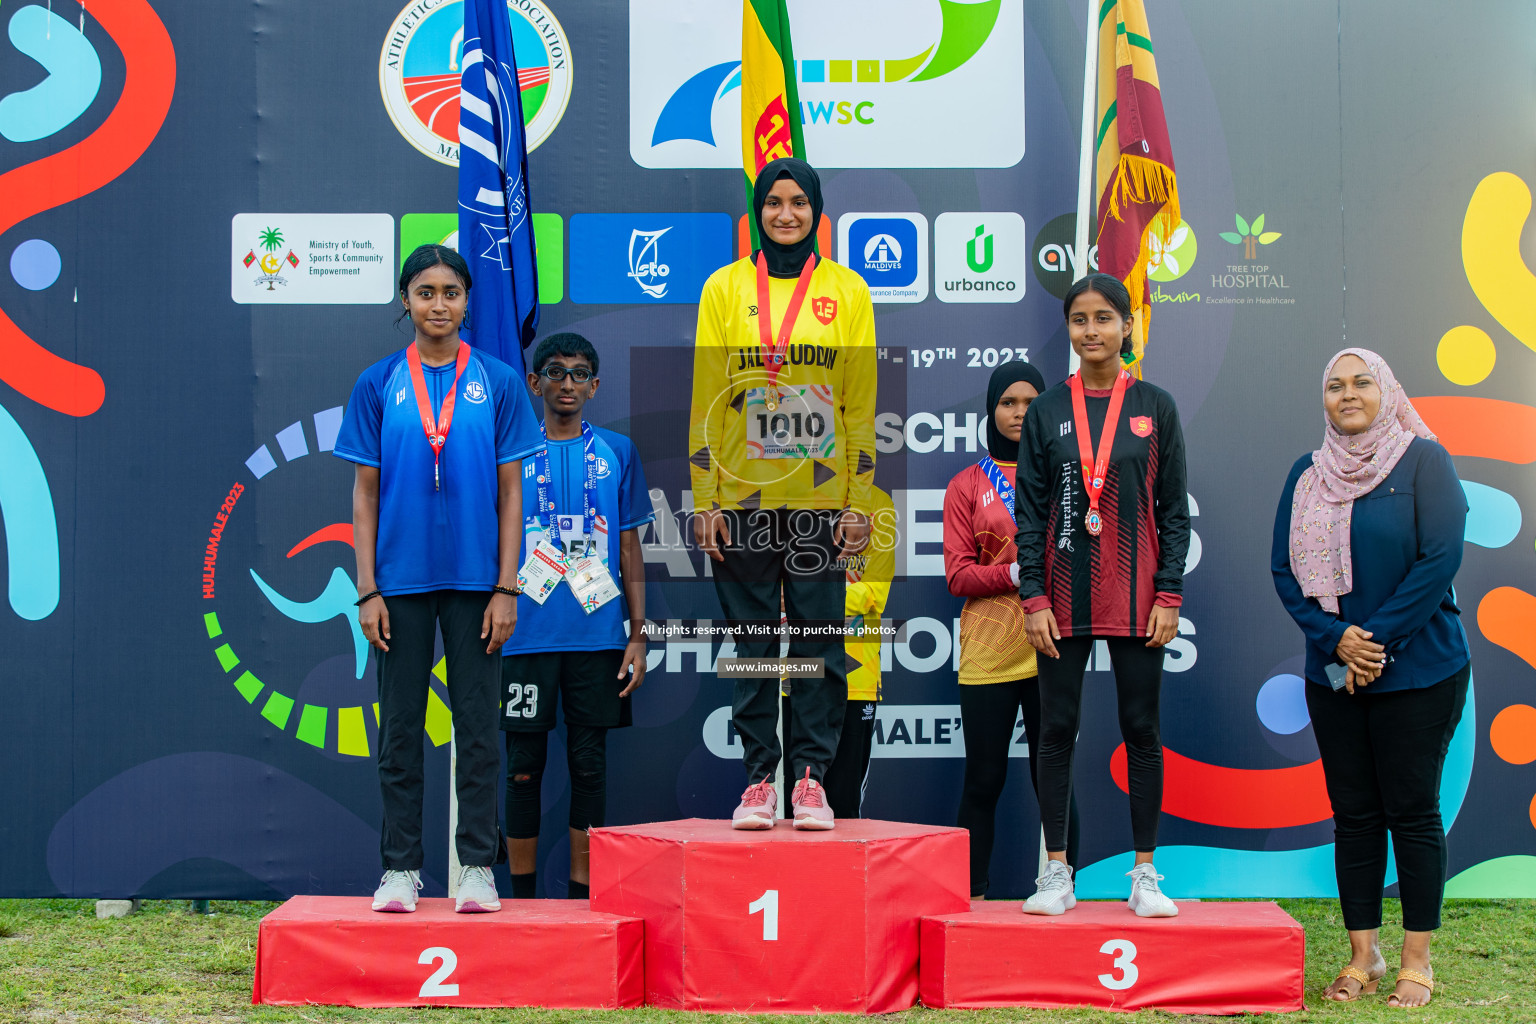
438, 433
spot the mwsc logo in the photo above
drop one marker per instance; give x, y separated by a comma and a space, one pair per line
869, 71
419, 72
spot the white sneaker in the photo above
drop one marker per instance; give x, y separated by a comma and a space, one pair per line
1053, 891
396, 893
1147, 900
477, 892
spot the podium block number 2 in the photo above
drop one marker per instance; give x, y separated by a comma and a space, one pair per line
434, 986
768, 904
1124, 952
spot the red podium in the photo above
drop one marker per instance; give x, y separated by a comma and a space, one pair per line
780, 920
1217, 958
335, 950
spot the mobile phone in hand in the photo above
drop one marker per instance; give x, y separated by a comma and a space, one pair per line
1335, 675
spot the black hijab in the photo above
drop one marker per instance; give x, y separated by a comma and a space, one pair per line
1003, 378
786, 260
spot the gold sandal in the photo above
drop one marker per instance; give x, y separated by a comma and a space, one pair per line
1418, 978
1368, 984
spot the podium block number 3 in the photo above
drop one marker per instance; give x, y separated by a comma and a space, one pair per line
434, 986
1124, 952
768, 904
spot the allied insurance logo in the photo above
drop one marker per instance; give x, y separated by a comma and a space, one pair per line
868, 71
419, 72
889, 251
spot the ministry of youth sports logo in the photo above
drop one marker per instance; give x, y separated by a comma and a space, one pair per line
420, 70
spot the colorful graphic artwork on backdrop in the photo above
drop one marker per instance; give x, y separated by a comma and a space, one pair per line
420, 73
59, 100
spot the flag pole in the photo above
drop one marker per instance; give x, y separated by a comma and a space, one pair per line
1085, 211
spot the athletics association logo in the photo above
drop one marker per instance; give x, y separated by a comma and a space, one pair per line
419, 72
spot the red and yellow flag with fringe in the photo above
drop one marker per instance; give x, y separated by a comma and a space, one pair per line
770, 98
1136, 188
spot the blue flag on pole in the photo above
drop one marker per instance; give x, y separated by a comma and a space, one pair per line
495, 229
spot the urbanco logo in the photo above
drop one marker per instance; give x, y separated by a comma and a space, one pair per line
873, 76
419, 72
979, 257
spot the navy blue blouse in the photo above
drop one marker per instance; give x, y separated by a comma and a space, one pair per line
1406, 540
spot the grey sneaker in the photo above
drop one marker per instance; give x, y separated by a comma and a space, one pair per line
477, 892
1053, 891
1147, 900
396, 893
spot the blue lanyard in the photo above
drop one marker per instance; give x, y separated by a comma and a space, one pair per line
547, 512
1000, 483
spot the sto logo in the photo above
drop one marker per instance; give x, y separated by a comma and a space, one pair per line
74, 77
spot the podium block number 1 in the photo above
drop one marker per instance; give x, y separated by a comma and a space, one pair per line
1124, 952
434, 986
768, 903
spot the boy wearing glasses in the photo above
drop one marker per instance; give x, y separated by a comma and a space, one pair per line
583, 577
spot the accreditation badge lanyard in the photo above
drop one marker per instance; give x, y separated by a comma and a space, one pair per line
773, 349
1095, 466
545, 479
999, 483
437, 433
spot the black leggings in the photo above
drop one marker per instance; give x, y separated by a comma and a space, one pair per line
1382, 758
988, 712
1138, 682
586, 752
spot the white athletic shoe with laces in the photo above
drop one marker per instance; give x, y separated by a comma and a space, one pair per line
396, 893
1053, 891
1147, 900
477, 892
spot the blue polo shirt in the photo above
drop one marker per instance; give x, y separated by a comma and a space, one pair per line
1406, 538
437, 539
621, 502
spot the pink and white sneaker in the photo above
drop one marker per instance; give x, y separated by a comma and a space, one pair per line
810, 805
759, 807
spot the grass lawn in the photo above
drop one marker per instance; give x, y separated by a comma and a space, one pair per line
58, 963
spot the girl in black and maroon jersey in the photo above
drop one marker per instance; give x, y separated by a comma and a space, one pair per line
1103, 533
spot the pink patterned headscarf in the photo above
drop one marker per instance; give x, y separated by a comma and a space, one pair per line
1344, 468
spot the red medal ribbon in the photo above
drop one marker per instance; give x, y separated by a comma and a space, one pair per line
773, 349
1095, 466
437, 433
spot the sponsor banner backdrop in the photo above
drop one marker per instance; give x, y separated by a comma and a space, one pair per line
191, 700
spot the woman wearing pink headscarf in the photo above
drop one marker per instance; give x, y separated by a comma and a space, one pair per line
1368, 538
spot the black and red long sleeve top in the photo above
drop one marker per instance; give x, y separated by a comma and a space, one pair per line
1104, 585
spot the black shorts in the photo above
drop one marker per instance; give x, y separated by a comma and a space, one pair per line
586, 682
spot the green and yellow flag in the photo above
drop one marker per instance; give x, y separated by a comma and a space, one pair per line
770, 98
1137, 191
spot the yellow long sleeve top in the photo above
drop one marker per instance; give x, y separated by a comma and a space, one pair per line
831, 350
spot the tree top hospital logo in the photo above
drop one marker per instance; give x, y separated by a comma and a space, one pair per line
869, 71
419, 72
